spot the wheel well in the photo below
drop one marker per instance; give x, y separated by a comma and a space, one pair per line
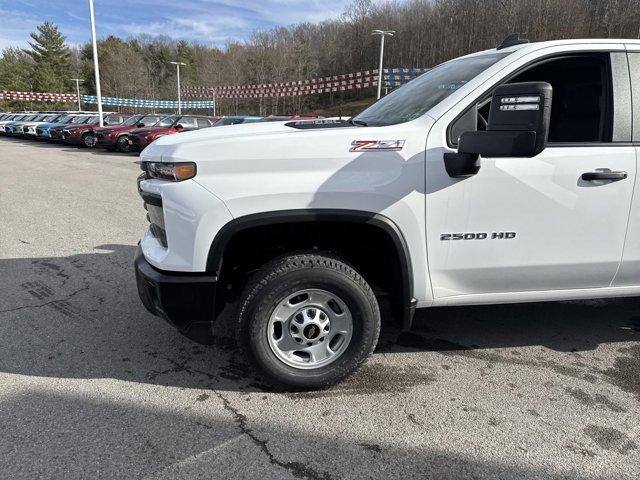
374, 248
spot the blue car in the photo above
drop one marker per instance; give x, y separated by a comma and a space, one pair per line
43, 130
29, 128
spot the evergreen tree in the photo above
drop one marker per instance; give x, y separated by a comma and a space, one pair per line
51, 59
15, 70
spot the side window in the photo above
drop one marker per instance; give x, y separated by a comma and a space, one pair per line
203, 122
187, 122
581, 106
113, 120
584, 89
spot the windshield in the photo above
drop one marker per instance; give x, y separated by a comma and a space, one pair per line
149, 120
93, 119
167, 121
132, 120
79, 119
420, 95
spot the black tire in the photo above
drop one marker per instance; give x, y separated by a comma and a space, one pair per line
88, 140
285, 276
122, 144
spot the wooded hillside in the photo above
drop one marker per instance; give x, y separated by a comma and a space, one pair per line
428, 32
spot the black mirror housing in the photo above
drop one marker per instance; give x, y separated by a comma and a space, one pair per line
518, 122
500, 144
461, 165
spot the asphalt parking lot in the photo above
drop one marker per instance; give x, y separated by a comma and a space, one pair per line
92, 386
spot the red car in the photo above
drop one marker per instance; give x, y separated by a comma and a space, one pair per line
83, 134
116, 137
141, 137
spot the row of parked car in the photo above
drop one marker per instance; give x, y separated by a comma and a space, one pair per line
120, 132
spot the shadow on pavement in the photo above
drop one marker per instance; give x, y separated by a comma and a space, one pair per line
78, 434
80, 317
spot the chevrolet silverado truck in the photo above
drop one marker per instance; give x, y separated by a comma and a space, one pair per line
503, 176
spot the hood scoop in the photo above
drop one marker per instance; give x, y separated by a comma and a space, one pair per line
315, 124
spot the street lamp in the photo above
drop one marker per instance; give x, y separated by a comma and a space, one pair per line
96, 69
77, 80
177, 64
382, 33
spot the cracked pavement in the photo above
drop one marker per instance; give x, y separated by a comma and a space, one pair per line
92, 386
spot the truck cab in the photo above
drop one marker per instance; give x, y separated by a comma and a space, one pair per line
503, 176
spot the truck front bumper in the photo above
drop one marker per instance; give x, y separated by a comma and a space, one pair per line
185, 300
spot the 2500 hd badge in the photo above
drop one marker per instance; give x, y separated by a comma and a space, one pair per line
478, 236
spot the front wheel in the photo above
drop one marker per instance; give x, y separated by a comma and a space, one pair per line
308, 321
88, 140
122, 145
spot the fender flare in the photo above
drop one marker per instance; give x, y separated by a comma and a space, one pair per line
222, 238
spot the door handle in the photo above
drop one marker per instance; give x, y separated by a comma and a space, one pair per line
604, 175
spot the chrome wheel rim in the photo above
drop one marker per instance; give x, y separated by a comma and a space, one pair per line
310, 328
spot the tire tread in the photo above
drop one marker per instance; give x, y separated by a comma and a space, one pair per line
279, 266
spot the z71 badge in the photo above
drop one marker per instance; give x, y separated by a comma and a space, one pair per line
478, 236
376, 145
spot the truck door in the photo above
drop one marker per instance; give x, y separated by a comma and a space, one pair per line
535, 224
629, 272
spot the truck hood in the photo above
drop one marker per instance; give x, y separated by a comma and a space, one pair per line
249, 137
272, 166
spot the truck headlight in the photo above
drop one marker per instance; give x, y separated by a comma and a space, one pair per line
175, 172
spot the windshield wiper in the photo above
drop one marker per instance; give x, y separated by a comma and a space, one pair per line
361, 123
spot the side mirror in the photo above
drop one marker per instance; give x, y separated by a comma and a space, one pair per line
518, 127
179, 127
140, 125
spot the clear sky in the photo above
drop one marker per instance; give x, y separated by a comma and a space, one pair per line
206, 21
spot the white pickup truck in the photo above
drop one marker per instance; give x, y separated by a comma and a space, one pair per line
503, 176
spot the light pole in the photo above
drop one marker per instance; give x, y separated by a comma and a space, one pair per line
177, 64
77, 80
96, 69
382, 33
